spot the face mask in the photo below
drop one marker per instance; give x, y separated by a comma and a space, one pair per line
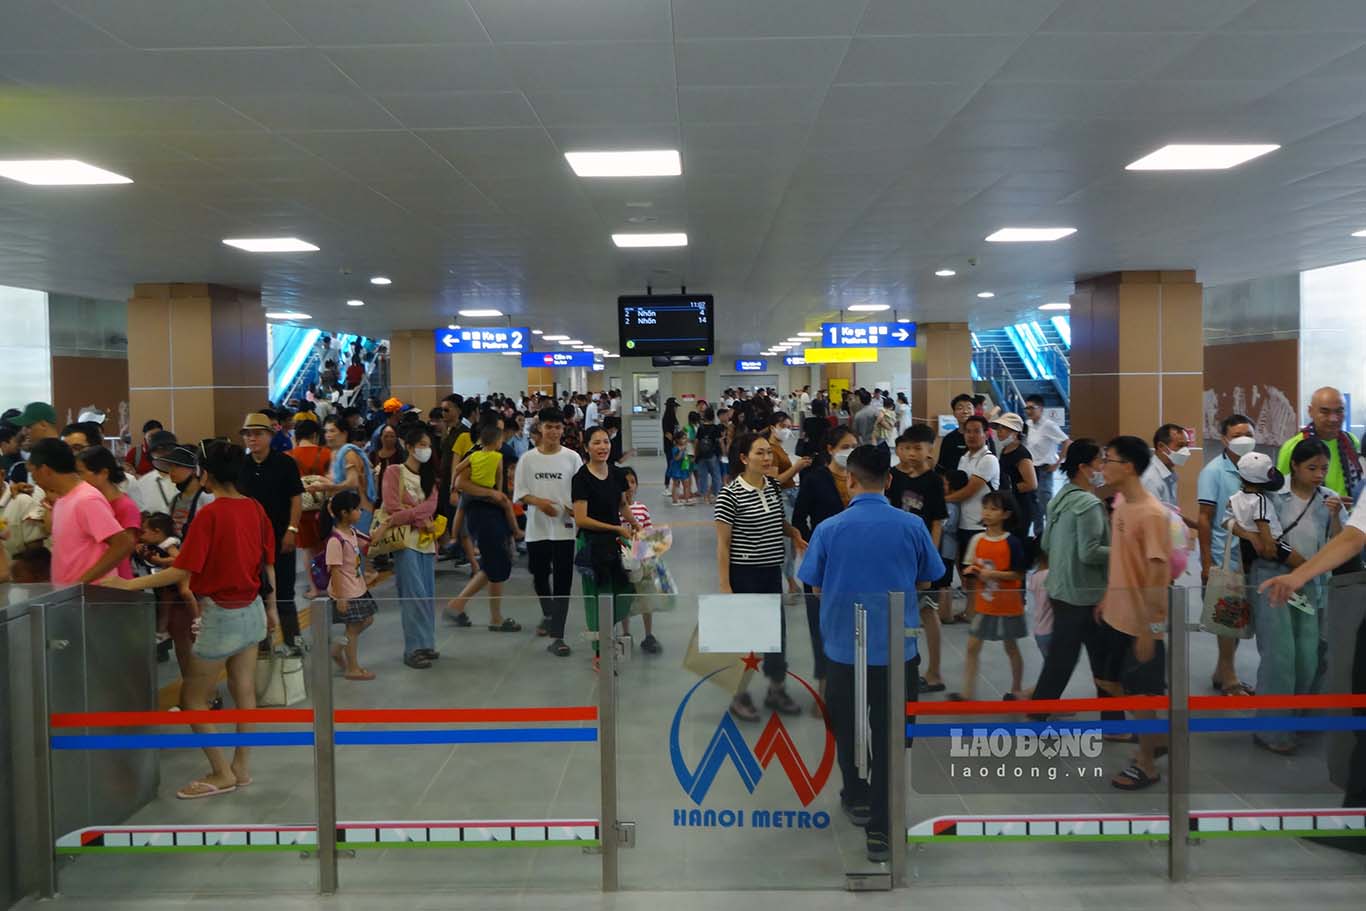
782, 434
841, 458
1004, 436
1097, 479
1180, 456
1241, 446
422, 453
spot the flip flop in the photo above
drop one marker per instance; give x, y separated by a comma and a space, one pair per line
1238, 689
363, 675
196, 790
1134, 779
927, 687
244, 783
508, 625
461, 619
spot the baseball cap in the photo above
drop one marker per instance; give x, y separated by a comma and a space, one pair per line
160, 439
1011, 421
257, 421
93, 415
1258, 468
34, 412
184, 456
392, 405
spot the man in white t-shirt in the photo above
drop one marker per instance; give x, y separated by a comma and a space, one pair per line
591, 414
984, 475
804, 401
544, 482
1047, 445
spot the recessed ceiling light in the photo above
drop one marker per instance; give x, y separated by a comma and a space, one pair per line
1179, 157
945, 273
904, 319
647, 163
287, 314
270, 244
986, 295
556, 338
1056, 307
381, 280
809, 334
574, 342
868, 308
1359, 233
665, 239
611, 355
452, 326
537, 332
57, 172
355, 303
481, 313
510, 353
796, 340
1029, 235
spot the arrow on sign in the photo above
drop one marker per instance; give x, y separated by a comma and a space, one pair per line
901, 335
448, 340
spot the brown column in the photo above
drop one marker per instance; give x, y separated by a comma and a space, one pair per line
418, 375
196, 358
1138, 358
540, 379
941, 367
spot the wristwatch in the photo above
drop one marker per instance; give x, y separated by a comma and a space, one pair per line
292, 529
1157, 628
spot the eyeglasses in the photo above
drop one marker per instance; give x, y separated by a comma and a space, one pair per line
1109, 461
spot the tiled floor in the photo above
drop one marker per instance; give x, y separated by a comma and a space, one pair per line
479, 668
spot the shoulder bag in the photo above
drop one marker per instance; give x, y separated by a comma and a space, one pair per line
1227, 611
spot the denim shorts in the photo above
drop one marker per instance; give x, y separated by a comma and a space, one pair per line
223, 633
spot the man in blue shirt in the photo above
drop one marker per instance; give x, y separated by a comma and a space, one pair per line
1219, 480
841, 570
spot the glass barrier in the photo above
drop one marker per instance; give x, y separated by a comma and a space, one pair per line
1273, 727
139, 807
1025, 768
479, 770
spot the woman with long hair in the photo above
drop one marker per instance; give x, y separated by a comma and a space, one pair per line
600, 504
750, 532
409, 500
350, 469
98, 468
226, 552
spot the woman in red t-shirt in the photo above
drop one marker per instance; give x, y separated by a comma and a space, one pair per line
227, 551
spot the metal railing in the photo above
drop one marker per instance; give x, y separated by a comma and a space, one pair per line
991, 366
1058, 369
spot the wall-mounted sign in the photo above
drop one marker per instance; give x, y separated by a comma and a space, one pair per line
841, 356
481, 341
794, 360
557, 359
751, 365
868, 335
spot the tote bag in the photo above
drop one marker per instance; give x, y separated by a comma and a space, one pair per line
1228, 610
280, 680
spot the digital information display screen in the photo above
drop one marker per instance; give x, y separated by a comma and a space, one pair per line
666, 324
753, 365
558, 359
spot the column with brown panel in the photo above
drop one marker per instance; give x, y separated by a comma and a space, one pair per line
941, 367
196, 358
1138, 358
417, 374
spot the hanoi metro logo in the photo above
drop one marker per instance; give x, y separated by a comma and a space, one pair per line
728, 747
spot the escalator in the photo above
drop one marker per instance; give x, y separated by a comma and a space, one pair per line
296, 362
1031, 358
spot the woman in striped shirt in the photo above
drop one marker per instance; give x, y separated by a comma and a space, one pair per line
750, 528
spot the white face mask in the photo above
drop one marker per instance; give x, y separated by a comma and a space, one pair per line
1241, 446
841, 457
1180, 456
782, 434
1098, 479
422, 453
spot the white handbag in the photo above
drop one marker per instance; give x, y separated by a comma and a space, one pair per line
280, 680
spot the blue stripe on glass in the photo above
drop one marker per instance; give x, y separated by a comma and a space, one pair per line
179, 741
471, 735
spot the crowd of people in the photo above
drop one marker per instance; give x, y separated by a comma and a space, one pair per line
218, 528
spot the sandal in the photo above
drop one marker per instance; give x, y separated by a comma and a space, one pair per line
559, 649
927, 687
541, 628
417, 662
461, 619
508, 625
1238, 688
956, 697
199, 789
1288, 750
360, 675
1134, 779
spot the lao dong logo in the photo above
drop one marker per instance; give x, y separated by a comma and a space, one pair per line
729, 747
1003, 743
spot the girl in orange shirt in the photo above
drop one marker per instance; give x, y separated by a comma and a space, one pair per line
996, 562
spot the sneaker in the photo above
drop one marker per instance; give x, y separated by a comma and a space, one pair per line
859, 813
651, 644
779, 701
742, 707
879, 848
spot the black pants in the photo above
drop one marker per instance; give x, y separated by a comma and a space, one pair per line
1356, 765
552, 572
839, 697
813, 626
285, 565
1074, 626
747, 579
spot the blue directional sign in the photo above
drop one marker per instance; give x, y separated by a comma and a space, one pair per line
558, 359
753, 365
794, 360
482, 341
868, 335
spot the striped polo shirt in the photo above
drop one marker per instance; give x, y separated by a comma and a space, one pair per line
755, 516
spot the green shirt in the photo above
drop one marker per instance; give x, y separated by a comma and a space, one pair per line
1336, 480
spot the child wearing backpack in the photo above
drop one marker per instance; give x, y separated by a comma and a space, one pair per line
348, 589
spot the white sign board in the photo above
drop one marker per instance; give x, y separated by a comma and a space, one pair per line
740, 623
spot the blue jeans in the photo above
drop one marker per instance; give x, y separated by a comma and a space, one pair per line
415, 574
709, 476
1287, 642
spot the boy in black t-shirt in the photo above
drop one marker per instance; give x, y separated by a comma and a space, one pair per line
917, 488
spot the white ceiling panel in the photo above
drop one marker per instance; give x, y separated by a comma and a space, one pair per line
765, 18
375, 155
499, 153
180, 73
449, 110
39, 25
657, 104
1058, 57
28, 114
926, 103
216, 146
955, 17
750, 103
767, 61
334, 111
919, 58
396, 70
365, 22
580, 20
174, 24
1100, 16
1252, 56
590, 65
1322, 15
